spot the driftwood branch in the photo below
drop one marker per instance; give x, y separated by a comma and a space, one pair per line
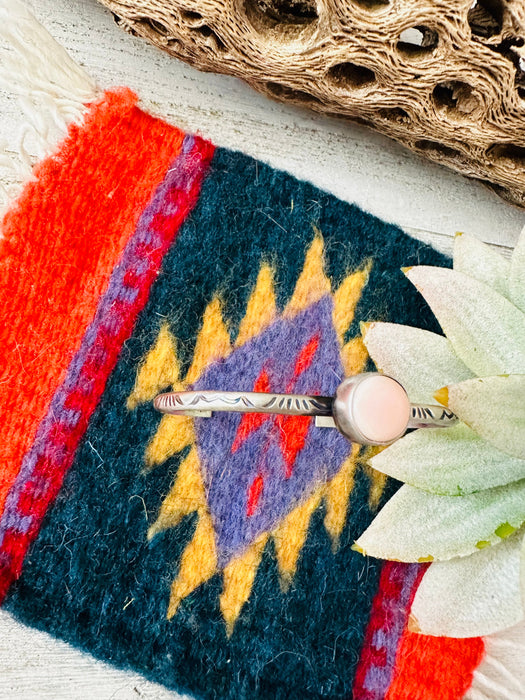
444, 77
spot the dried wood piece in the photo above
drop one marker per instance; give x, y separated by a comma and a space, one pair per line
445, 78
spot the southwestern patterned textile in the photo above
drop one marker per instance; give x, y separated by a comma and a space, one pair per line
213, 555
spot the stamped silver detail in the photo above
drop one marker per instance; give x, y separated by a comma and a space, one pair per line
189, 402
422, 416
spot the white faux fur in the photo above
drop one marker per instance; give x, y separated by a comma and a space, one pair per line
50, 89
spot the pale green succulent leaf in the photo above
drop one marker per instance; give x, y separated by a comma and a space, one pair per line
517, 273
486, 330
420, 360
471, 596
455, 461
417, 526
494, 407
476, 259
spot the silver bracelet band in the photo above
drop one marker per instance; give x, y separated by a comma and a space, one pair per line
345, 411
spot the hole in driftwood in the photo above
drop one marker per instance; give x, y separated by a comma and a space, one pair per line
394, 114
350, 75
509, 152
152, 29
417, 41
372, 4
158, 27
288, 11
517, 60
485, 18
190, 17
436, 149
288, 16
509, 49
455, 97
519, 79
287, 93
211, 37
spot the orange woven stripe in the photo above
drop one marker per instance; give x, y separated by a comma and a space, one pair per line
434, 668
61, 241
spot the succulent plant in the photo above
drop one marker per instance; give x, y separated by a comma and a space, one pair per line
462, 504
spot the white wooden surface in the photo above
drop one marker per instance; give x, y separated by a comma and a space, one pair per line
350, 161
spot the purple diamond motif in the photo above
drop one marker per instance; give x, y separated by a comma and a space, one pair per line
259, 469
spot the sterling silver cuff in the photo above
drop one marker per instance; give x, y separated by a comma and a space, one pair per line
369, 408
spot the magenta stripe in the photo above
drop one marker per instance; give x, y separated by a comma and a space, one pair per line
388, 620
387, 636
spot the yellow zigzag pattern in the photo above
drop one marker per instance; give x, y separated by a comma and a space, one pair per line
160, 371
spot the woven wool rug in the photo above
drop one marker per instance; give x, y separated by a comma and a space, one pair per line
212, 555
